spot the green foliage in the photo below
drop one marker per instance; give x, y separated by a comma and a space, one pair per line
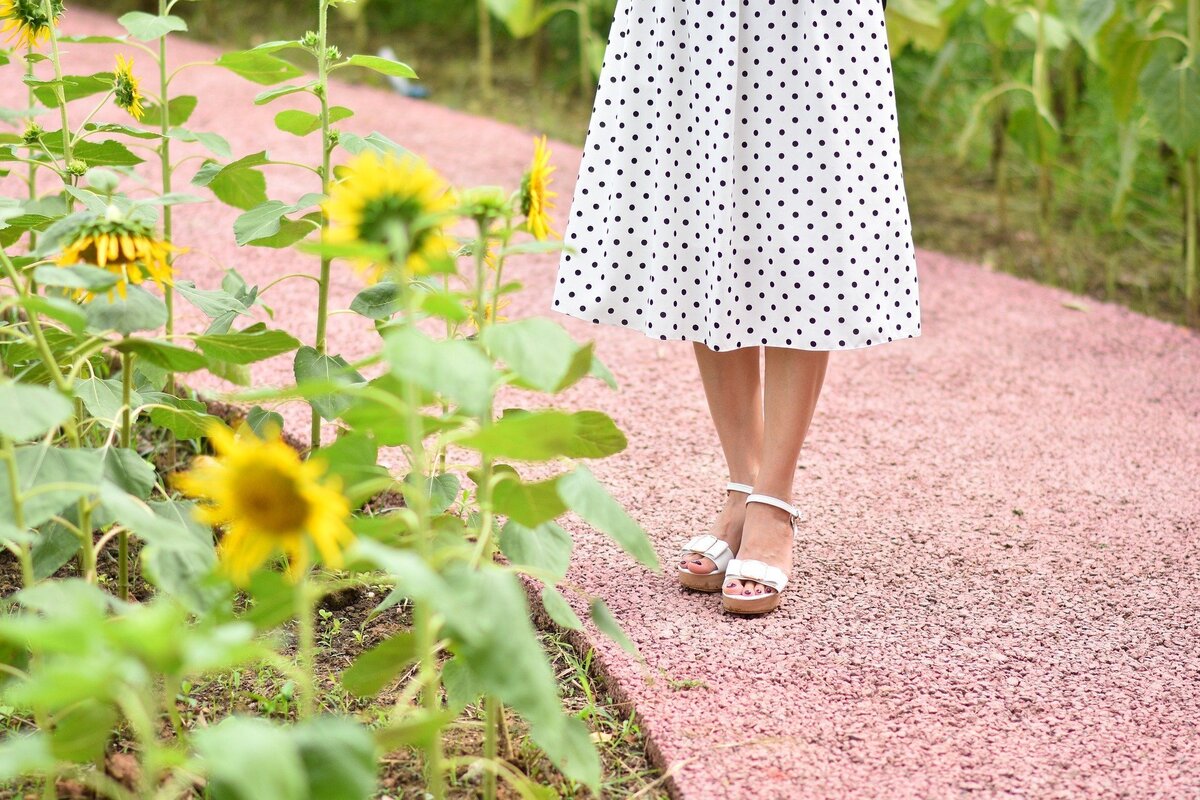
94, 421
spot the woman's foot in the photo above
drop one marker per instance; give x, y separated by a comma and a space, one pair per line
727, 527
766, 537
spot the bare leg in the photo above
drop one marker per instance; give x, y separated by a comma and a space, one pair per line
734, 392
792, 384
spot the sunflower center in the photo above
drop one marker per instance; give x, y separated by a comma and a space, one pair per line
271, 503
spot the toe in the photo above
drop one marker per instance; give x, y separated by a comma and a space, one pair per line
703, 566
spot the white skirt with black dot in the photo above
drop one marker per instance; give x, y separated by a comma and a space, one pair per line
741, 183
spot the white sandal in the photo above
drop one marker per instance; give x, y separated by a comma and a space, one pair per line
758, 571
713, 548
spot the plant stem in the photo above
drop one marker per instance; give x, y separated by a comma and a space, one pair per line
306, 647
326, 162
491, 723
48, 10
9, 455
126, 442
417, 499
31, 180
1191, 216
164, 152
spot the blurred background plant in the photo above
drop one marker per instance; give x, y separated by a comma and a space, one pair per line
1056, 139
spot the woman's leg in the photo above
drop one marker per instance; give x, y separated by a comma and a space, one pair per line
792, 384
734, 392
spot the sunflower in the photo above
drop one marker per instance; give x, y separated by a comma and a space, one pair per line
269, 501
125, 87
491, 310
397, 202
25, 21
536, 197
128, 249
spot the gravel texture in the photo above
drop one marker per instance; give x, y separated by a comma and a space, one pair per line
996, 583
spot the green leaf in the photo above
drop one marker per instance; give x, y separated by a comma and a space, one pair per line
74, 87
267, 95
374, 669
380, 144
213, 302
311, 365
384, 66
545, 435
179, 111
530, 504
23, 755
29, 412
81, 732
546, 548
57, 308
339, 758
128, 471
379, 301
238, 183
246, 348
559, 610
453, 368
109, 153
609, 626
215, 143
170, 357
183, 422
355, 459
137, 311
302, 123
1170, 84
246, 758
182, 565
266, 225
262, 421
50, 479
102, 398
148, 27
54, 546
80, 276
585, 495
540, 352
259, 67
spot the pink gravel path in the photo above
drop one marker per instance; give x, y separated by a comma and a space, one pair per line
996, 585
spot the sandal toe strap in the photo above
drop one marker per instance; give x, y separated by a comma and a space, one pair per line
710, 547
757, 571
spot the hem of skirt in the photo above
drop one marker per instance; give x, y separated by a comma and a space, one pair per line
698, 339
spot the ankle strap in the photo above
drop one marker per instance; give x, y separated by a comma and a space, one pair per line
744, 488
774, 501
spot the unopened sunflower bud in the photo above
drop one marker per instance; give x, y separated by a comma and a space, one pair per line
32, 133
78, 167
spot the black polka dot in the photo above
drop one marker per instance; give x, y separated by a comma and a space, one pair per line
741, 182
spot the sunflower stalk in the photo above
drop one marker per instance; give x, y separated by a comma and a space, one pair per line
24, 550
60, 95
164, 152
322, 91
127, 443
417, 499
306, 647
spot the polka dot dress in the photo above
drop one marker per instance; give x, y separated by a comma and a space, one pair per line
741, 182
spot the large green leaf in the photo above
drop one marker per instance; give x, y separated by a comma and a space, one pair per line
546, 548
339, 758
51, 478
313, 366
559, 610
237, 183
29, 412
549, 434
453, 368
163, 354
302, 123
79, 276
74, 87
246, 758
540, 352
148, 27
259, 67
384, 66
102, 397
246, 347
1171, 86
585, 495
179, 111
608, 625
530, 504
374, 669
378, 301
137, 311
